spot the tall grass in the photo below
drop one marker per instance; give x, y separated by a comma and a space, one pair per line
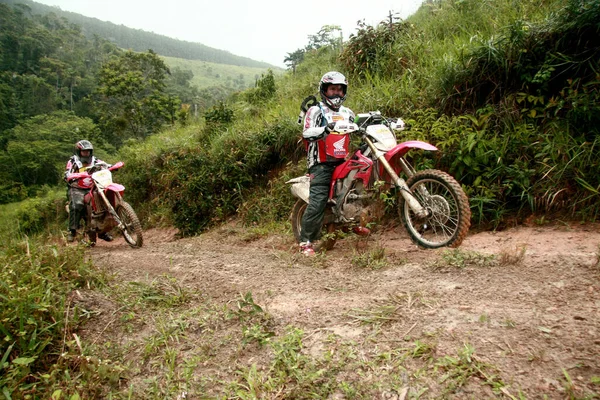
38, 276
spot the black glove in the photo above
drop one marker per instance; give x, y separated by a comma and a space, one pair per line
330, 127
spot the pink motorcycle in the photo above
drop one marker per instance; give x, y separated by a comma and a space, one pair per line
105, 207
432, 205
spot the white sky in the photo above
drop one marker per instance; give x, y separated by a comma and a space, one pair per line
263, 30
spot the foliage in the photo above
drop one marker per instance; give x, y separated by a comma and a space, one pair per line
219, 113
140, 41
367, 53
130, 97
264, 90
36, 151
206, 183
515, 123
39, 213
36, 282
46, 64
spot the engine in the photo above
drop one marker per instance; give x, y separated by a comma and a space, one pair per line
354, 203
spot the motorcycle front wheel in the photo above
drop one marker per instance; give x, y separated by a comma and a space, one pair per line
328, 237
447, 205
132, 231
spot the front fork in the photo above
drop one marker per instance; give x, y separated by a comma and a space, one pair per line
412, 202
111, 209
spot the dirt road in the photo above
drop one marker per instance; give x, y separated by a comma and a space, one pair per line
516, 312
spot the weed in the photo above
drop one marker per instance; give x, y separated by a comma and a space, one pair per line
256, 333
246, 307
512, 256
509, 323
423, 350
379, 315
373, 259
461, 259
485, 318
536, 356
163, 291
457, 370
409, 300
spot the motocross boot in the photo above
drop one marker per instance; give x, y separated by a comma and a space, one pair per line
71, 236
106, 237
307, 249
361, 231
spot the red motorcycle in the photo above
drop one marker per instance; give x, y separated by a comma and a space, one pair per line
432, 205
105, 207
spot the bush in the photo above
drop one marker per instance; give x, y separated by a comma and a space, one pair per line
36, 282
38, 213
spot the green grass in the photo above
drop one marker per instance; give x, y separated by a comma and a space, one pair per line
207, 74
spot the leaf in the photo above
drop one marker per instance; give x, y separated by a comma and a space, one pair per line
23, 360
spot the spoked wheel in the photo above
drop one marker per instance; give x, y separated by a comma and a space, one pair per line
328, 236
447, 205
133, 228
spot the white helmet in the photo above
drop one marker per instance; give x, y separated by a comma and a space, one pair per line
333, 78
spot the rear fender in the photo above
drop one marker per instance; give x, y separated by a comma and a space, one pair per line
300, 187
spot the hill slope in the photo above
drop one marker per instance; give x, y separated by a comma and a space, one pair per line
140, 40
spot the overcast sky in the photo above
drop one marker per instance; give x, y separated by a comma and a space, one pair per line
261, 29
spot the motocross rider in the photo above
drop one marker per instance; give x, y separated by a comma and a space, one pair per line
324, 153
78, 188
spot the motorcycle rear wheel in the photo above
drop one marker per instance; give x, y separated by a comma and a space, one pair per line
328, 237
447, 205
132, 233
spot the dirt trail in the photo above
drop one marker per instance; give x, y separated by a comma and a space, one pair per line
533, 314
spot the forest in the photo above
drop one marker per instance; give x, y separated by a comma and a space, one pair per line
507, 90
139, 40
57, 86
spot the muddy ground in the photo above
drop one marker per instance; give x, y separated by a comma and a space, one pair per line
523, 302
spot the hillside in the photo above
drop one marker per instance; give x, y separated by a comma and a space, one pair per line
140, 40
208, 74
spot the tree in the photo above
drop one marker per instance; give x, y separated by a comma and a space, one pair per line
326, 37
131, 98
294, 59
36, 151
178, 84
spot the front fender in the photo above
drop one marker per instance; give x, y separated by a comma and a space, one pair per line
115, 187
300, 187
402, 148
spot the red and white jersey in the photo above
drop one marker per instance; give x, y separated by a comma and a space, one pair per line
74, 165
320, 145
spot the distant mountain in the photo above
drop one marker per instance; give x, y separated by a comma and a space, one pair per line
140, 40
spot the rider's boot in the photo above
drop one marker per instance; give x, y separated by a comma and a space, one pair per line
361, 231
71, 235
106, 237
307, 249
